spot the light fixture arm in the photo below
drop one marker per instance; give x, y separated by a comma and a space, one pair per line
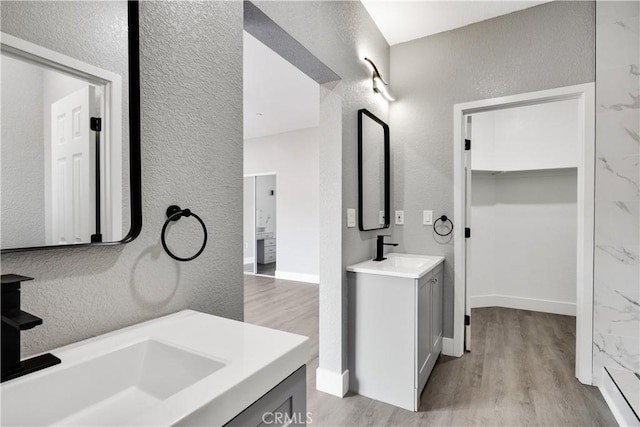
379, 85
376, 73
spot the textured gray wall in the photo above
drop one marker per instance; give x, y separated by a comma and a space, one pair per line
340, 34
191, 76
616, 323
22, 191
547, 46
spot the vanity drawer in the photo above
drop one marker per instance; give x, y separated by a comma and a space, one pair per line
266, 251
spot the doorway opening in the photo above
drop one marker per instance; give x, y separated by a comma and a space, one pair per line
281, 138
260, 224
327, 299
544, 188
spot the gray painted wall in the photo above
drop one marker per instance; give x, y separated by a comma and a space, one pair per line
340, 34
616, 325
547, 46
191, 74
22, 190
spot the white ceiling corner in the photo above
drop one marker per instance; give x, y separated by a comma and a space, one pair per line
401, 20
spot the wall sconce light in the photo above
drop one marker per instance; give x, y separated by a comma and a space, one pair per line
379, 85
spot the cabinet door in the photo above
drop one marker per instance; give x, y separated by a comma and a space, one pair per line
284, 405
436, 312
423, 318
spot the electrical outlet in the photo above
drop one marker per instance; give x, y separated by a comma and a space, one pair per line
351, 218
427, 217
381, 217
399, 217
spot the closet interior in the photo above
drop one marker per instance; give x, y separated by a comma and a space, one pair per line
524, 207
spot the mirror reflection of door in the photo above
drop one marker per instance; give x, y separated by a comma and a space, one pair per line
72, 156
48, 155
64, 182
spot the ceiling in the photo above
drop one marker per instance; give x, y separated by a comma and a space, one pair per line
278, 97
401, 21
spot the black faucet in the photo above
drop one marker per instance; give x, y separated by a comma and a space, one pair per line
380, 247
15, 320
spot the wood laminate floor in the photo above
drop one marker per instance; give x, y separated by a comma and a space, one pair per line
520, 370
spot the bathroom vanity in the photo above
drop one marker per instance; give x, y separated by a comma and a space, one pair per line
395, 326
266, 247
188, 368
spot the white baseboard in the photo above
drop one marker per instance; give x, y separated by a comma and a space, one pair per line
249, 260
618, 404
447, 346
332, 382
545, 306
298, 277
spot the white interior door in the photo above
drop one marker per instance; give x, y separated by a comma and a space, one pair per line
467, 224
72, 159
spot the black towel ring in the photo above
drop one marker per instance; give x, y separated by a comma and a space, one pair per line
174, 213
443, 218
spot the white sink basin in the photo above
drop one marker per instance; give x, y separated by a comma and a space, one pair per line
156, 373
398, 265
106, 390
408, 262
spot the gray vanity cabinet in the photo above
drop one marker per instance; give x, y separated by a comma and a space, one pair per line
395, 330
266, 250
284, 405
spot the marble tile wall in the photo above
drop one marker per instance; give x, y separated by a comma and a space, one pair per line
617, 218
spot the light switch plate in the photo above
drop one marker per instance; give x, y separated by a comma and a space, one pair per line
351, 218
399, 217
381, 217
427, 217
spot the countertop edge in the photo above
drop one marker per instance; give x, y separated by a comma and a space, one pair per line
355, 268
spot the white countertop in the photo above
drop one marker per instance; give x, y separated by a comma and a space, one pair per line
256, 359
399, 265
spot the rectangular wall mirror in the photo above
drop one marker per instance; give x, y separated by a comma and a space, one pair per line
373, 172
70, 147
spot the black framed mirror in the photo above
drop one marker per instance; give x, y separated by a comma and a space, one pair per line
70, 148
373, 172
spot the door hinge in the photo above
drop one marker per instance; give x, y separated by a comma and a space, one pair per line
467, 232
96, 124
467, 320
467, 144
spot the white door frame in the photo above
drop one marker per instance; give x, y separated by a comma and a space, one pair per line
585, 94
